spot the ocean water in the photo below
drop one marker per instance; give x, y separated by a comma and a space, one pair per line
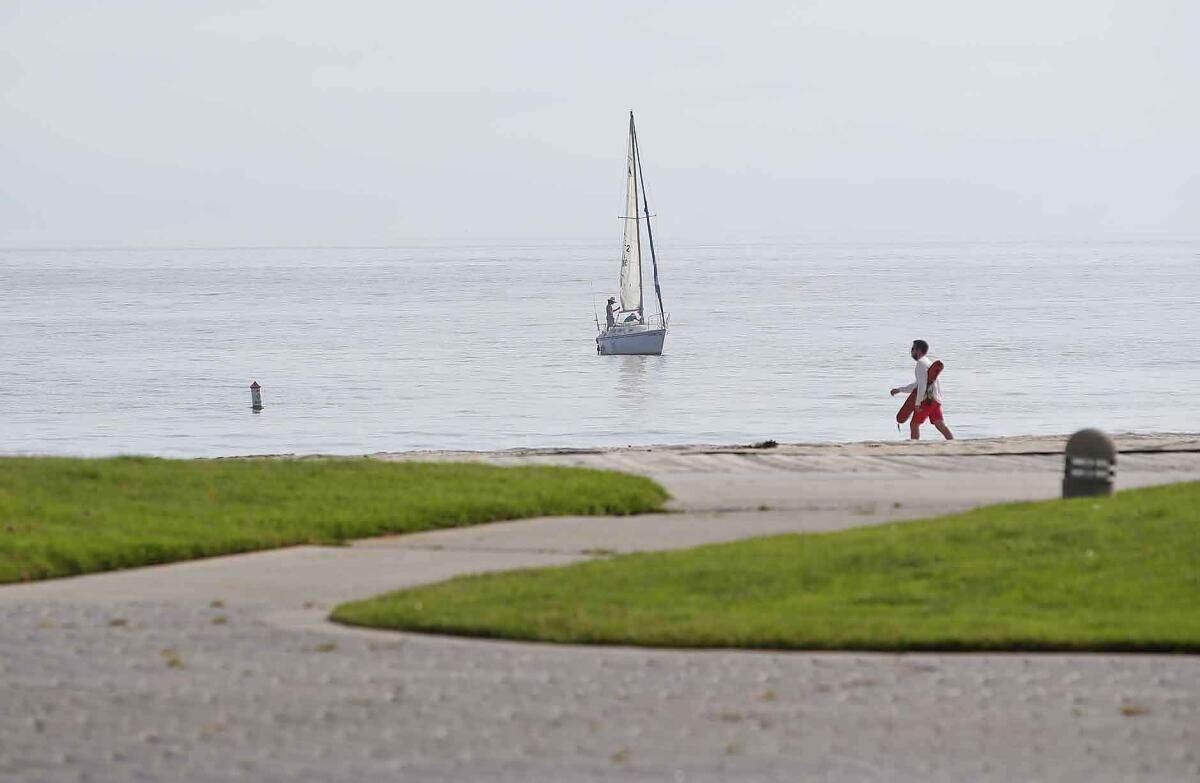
482, 345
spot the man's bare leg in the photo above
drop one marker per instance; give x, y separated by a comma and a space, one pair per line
914, 429
942, 428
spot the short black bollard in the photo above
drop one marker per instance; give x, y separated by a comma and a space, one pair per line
1091, 465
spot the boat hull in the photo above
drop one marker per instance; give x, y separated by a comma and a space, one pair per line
631, 341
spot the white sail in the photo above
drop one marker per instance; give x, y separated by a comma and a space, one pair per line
631, 255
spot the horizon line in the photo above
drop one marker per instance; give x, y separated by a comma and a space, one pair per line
866, 239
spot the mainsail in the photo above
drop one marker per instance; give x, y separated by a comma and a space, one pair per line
631, 256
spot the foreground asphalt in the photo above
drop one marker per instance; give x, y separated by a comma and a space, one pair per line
226, 669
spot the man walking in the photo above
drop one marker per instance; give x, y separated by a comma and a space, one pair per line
929, 395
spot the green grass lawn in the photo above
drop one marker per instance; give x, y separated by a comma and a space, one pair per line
70, 516
1118, 573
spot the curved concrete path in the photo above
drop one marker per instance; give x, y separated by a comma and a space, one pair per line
225, 669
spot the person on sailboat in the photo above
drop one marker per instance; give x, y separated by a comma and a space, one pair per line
611, 311
929, 395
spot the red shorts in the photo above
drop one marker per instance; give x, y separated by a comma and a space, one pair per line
930, 409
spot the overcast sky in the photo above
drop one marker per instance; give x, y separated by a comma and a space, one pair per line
376, 122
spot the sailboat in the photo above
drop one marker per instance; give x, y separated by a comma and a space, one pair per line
635, 331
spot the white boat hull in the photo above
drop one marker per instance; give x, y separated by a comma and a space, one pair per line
634, 340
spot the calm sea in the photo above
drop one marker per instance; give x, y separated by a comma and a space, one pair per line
483, 345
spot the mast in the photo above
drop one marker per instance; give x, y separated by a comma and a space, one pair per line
637, 229
637, 156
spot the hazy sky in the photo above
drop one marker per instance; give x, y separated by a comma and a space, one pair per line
373, 122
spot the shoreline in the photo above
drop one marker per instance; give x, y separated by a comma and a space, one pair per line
1011, 445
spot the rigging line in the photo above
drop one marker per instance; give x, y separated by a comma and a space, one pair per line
595, 312
633, 174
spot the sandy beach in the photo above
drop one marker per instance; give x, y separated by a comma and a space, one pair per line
272, 691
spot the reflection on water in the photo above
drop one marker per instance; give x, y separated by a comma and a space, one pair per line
631, 380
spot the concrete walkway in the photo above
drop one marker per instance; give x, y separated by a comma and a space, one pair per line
226, 669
